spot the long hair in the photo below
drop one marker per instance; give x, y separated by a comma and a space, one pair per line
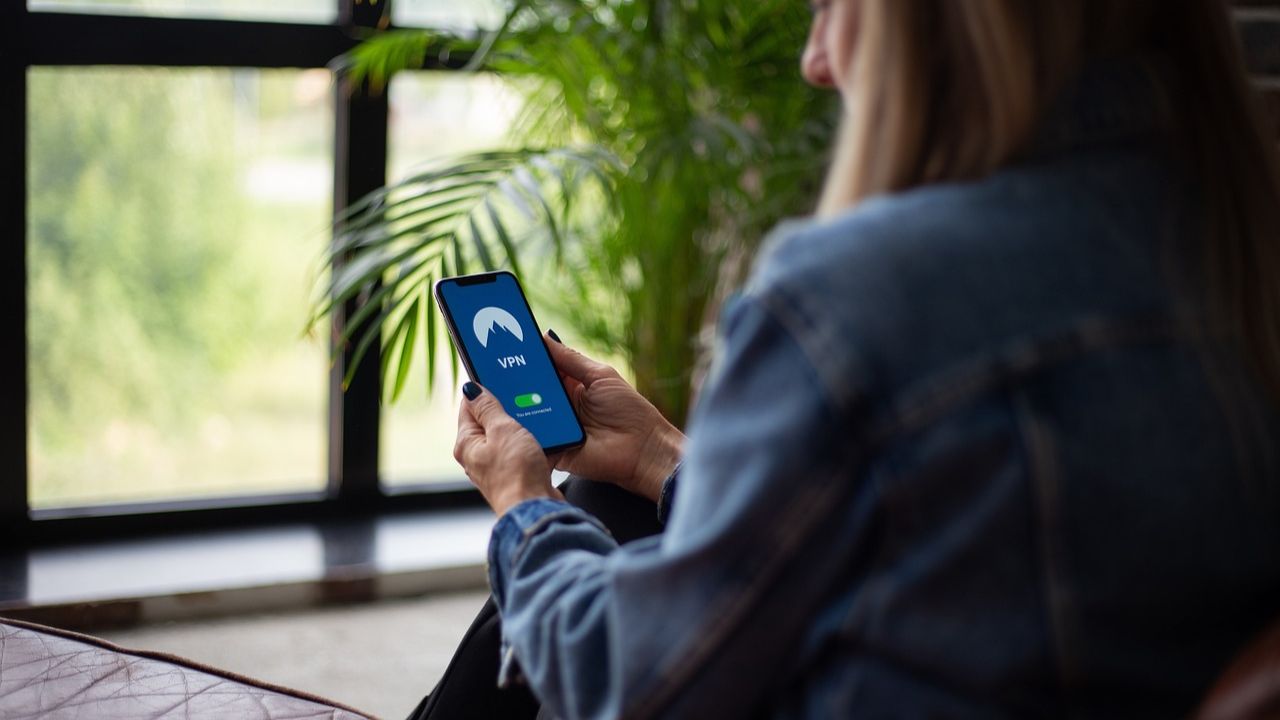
947, 90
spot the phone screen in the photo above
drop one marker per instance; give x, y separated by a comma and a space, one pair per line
502, 347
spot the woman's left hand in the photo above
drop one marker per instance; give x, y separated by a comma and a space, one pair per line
502, 459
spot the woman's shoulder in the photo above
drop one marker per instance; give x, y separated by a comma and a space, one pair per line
905, 231
923, 279
899, 255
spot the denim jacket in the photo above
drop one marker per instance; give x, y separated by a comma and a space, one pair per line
956, 457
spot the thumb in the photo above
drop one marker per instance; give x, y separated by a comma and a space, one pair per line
484, 407
576, 365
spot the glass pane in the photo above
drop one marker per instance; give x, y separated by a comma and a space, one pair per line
449, 14
433, 116
437, 115
175, 221
306, 11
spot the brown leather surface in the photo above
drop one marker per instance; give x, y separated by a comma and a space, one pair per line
50, 673
1250, 688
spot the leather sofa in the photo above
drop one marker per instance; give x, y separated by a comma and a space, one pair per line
51, 673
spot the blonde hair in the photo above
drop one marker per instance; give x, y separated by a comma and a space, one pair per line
947, 90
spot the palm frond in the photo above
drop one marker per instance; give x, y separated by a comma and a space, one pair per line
384, 54
477, 212
703, 136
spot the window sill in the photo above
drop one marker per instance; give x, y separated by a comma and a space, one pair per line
186, 575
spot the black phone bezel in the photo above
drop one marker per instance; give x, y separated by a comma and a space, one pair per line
461, 349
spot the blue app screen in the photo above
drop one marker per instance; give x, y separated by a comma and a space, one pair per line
493, 322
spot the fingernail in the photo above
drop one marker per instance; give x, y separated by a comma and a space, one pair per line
554, 336
471, 390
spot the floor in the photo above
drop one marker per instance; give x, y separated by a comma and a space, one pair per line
380, 657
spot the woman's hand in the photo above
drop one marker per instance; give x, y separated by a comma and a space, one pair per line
502, 459
629, 443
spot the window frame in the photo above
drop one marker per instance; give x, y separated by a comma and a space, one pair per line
46, 38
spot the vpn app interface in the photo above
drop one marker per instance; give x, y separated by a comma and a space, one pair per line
509, 359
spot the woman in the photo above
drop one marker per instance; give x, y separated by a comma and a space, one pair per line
990, 435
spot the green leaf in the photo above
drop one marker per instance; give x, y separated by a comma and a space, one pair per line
447, 270
391, 344
518, 200
477, 239
336, 295
526, 182
372, 333
375, 302
483, 53
430, 309
407, 348
411, 277
501, 231
383, 54
459, 260
375, 235
366, 269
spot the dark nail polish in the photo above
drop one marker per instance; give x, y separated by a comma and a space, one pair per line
471, 390
554, 336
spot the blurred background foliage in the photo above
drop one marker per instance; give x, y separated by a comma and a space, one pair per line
659, 141
101, 249
167, 212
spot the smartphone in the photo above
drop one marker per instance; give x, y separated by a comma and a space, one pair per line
494, 332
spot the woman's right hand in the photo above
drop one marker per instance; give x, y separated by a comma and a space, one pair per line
629, 443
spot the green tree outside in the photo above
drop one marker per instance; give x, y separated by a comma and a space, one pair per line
162, 289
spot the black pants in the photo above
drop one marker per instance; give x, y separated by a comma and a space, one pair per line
469, 686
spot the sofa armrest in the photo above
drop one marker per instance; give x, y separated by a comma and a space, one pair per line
51, 673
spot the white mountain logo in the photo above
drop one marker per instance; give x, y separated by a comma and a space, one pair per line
489, 319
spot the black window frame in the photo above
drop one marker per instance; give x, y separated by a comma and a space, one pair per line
40, 38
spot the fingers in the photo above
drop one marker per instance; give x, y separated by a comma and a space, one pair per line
485, 408
553, 461
467, 421
574, 389
500, 457
564, 460
576, 365
469, 431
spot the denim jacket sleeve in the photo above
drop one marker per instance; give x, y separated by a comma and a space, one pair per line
668, 494
698, 621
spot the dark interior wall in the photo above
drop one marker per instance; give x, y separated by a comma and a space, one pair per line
1259, 22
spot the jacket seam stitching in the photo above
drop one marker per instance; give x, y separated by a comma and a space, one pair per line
1041, 454
800, 518
568, 515
806, 336
929, 399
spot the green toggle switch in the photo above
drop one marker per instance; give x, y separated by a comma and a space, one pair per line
528, 400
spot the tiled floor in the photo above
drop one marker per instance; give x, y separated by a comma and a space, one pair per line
380, 657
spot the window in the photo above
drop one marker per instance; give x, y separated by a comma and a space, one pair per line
448, 13
308, 11
172, 226
435, 115
180, 162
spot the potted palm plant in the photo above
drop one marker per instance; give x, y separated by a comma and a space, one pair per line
660, 139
